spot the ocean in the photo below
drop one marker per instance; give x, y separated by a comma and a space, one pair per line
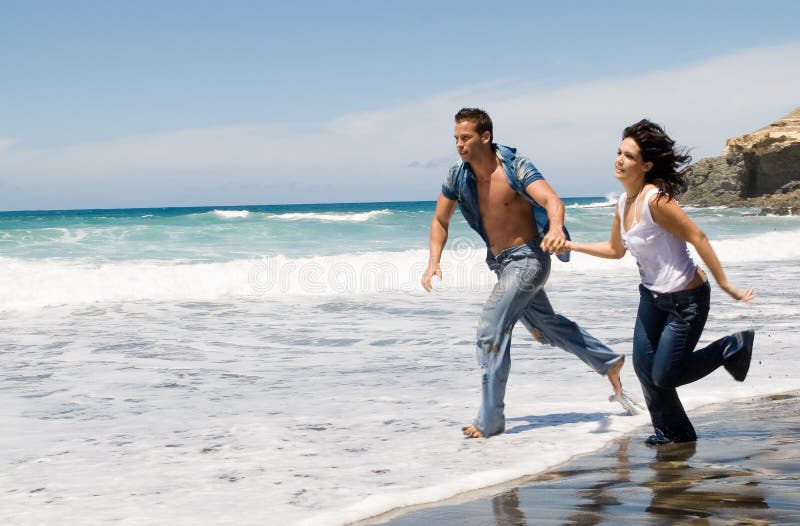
282, 364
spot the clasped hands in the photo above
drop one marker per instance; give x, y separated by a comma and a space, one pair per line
555, 242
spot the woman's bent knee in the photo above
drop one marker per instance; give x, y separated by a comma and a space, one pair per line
665, 379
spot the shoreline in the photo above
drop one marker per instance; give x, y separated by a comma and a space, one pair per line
744, 467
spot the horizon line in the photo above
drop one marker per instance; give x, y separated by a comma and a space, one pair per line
222, 207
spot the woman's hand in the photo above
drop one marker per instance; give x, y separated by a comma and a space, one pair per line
738, 294
554, 241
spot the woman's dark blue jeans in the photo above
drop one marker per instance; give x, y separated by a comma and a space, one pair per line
668, 326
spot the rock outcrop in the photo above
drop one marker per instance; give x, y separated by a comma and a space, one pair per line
760, 169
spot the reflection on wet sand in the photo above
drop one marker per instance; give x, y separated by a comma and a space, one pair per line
745, 469
506, 509
680, 490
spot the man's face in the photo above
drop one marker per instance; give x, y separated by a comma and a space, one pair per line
469, 142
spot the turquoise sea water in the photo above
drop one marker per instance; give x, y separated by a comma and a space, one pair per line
214, 234
171, 254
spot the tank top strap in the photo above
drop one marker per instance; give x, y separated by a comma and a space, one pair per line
646, 206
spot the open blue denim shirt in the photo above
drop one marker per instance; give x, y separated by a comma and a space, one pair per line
460, 185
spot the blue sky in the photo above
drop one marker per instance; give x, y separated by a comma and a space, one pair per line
176, 103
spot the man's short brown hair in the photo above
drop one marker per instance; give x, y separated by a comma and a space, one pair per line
483, 122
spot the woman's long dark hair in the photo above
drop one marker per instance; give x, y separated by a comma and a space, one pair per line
670, 163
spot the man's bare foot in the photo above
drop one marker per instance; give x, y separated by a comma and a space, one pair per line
471, 432
613, 376
537, 335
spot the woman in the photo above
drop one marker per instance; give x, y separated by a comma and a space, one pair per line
674, 293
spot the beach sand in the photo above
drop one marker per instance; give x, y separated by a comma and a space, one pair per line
744, 469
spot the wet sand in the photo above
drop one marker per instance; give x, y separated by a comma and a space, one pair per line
744, 469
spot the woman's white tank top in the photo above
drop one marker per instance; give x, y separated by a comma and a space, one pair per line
665, 264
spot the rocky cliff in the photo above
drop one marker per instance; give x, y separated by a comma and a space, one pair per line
760, 169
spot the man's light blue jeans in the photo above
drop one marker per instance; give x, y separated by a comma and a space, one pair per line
522, 272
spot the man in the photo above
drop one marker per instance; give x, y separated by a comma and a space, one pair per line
519, 216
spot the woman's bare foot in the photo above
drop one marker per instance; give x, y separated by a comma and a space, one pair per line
471, 432
613, 376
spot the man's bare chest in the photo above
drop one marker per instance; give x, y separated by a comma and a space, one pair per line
495, 194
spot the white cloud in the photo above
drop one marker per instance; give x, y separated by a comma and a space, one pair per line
6, 143
700, 105
571, 132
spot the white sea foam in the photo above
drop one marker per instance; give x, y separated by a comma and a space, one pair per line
316, 410
231, 214
67, 235
611, 200
35, 284
312, 390
689, 208
353, 217
770, 246
40, 283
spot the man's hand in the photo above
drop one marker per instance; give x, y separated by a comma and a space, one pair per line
554, 241
432, 270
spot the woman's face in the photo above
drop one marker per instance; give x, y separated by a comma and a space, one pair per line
630, 165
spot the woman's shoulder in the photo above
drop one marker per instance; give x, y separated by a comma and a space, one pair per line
658, 201
664, 209
650, 192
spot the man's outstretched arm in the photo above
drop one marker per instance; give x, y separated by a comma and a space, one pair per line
438, 237
555, 240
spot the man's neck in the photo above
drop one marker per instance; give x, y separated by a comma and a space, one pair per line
484, 166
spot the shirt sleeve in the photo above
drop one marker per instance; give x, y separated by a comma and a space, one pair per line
527, 172
449, 185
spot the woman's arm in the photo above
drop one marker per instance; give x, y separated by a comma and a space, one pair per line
671, 217
611, 249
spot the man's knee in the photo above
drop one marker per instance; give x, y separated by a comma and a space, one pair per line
491, 338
